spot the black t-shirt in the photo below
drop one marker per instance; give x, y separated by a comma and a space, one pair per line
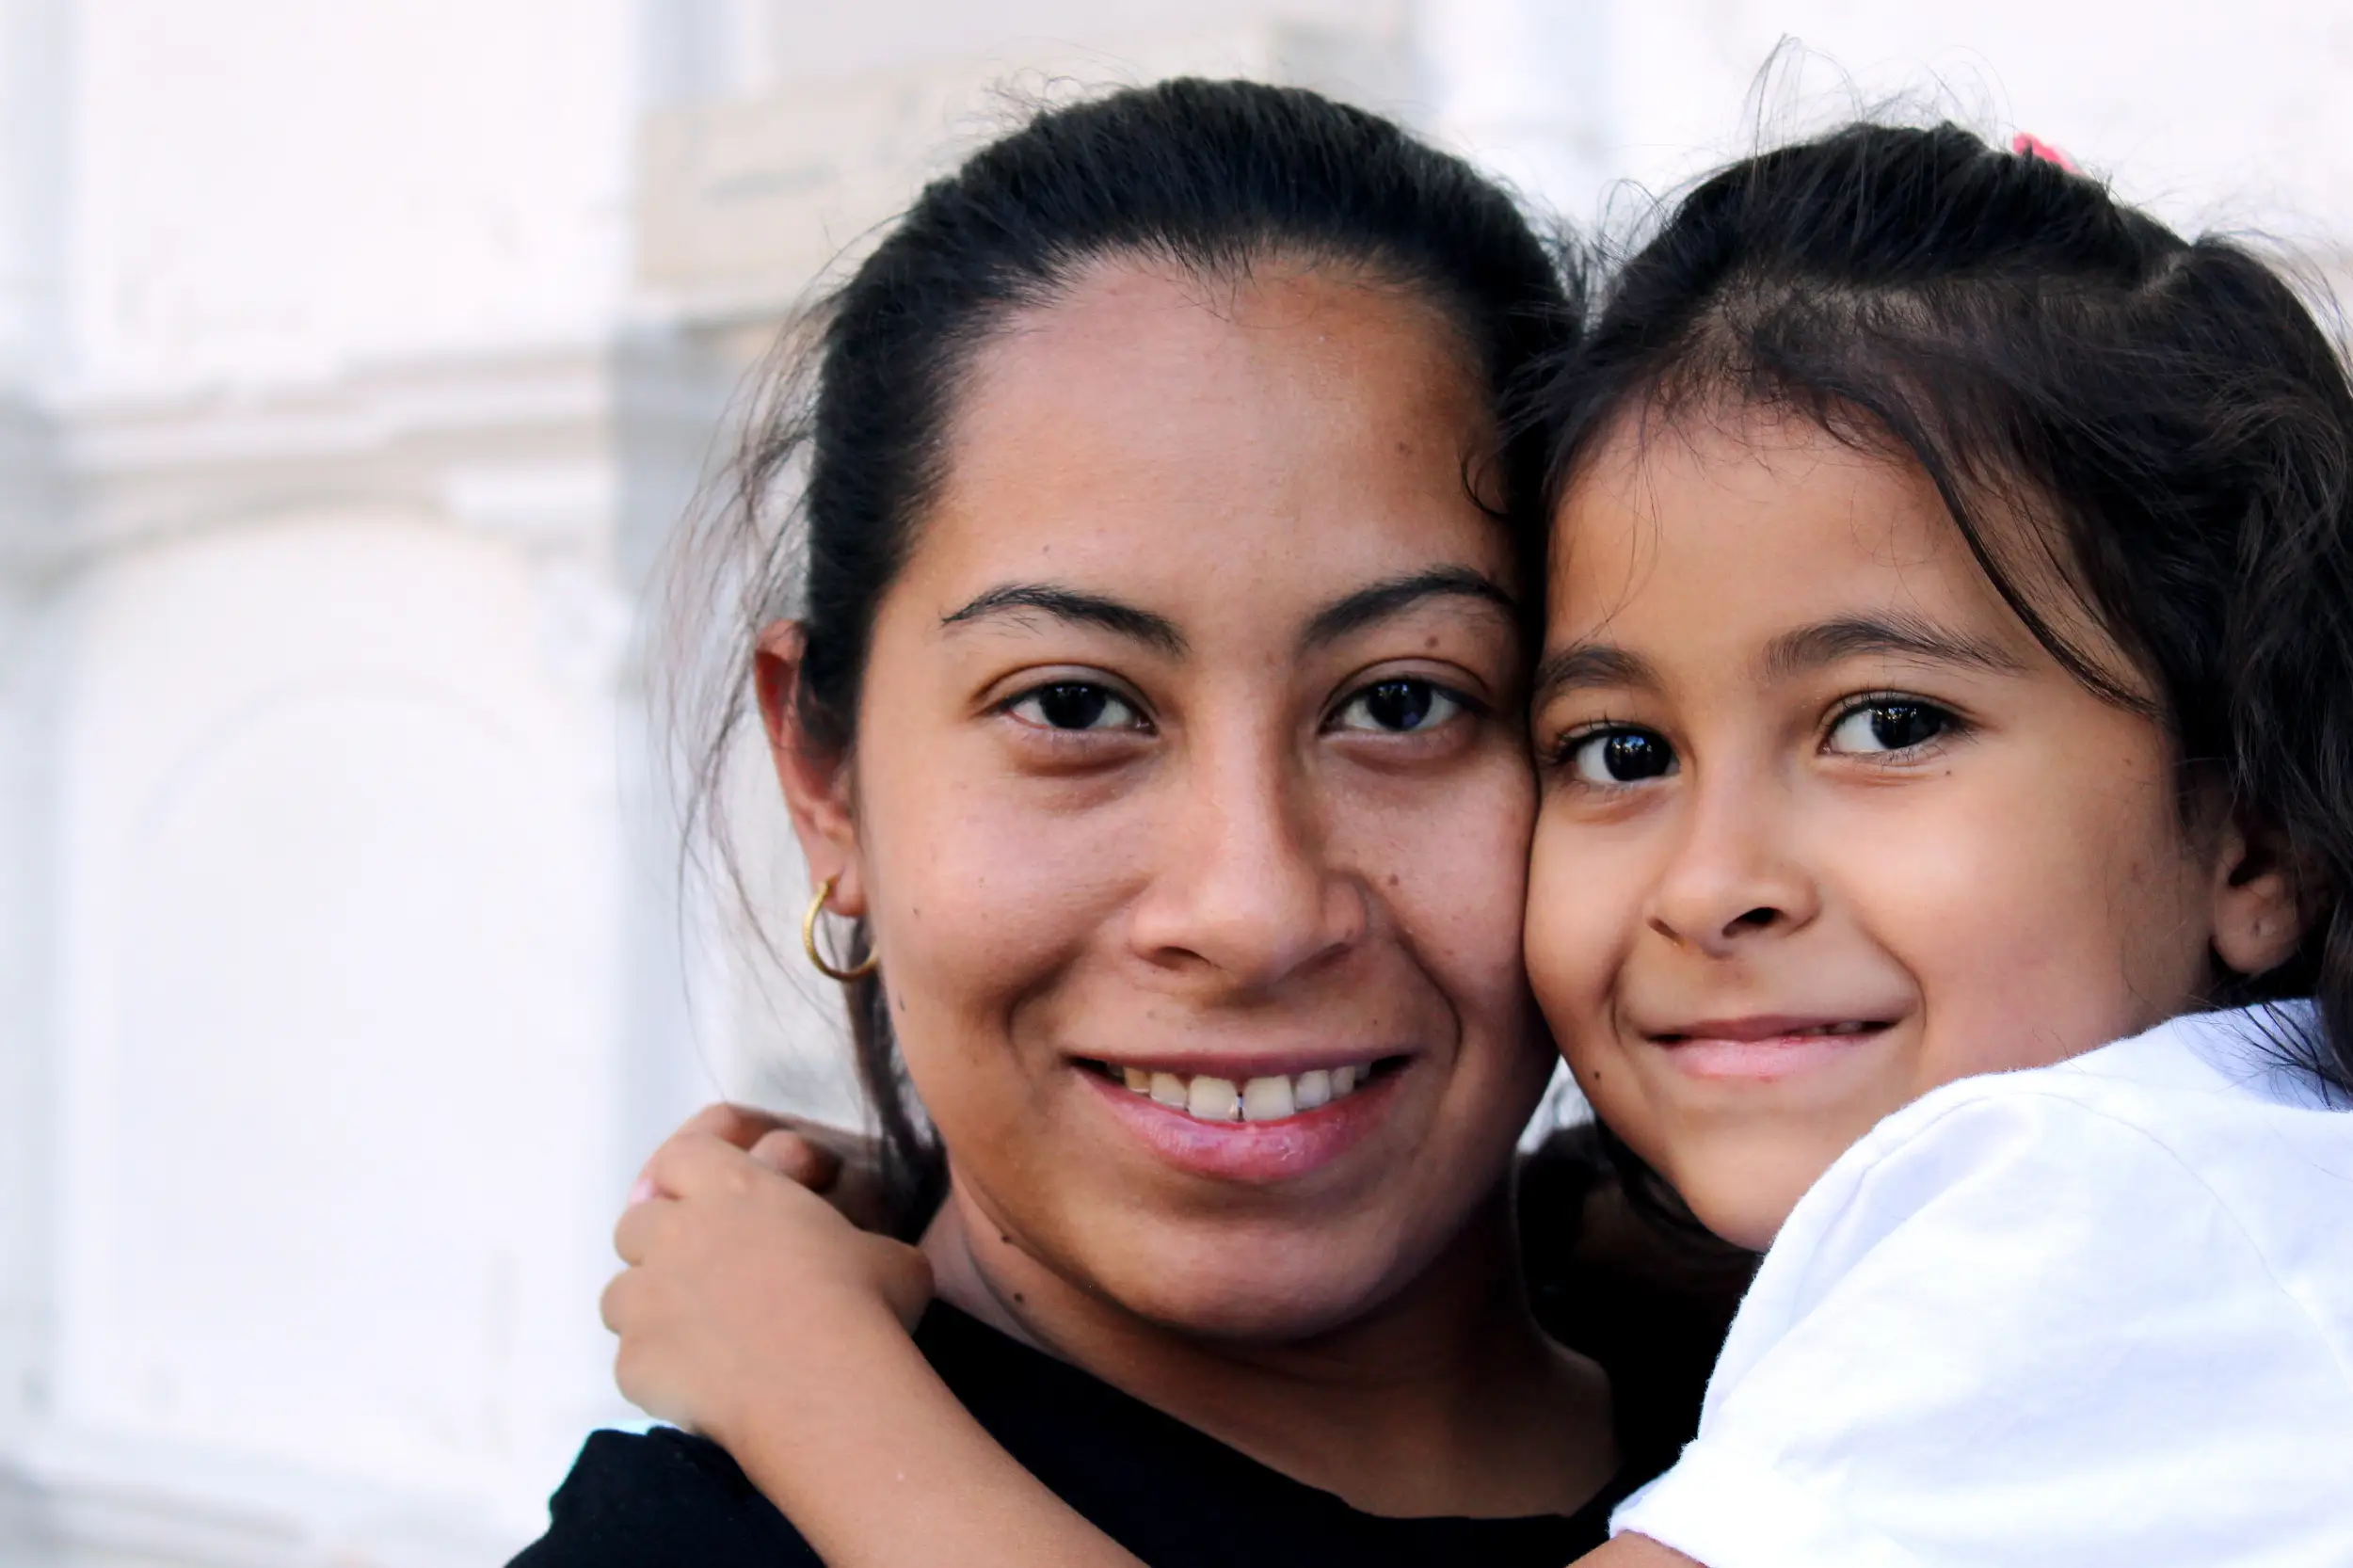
1170, 1493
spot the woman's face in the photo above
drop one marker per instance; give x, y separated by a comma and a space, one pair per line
1191, 801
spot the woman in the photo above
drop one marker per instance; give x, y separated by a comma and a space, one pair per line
1150, 700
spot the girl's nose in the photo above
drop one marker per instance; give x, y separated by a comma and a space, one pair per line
1734, 876
1246, 895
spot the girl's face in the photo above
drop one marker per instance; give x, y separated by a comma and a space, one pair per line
1191, 800
1824, 827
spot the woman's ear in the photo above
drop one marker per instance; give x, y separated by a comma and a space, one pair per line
815, 779
2258, 915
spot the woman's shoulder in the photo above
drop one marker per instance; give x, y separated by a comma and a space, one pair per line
661, 1499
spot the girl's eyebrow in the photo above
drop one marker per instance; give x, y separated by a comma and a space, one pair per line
1585, 665
1896, 634
1582, 666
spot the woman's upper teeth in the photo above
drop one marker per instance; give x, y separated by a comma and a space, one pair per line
1258, 1100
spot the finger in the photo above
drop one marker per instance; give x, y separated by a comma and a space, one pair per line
793, 1155
617, 1303
906, 1275
740, 1125
694, 1164
634, 1232
641, 1372
854, 1149
864, 1198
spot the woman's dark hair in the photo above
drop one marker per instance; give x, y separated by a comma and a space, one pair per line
2167, 418
846, 445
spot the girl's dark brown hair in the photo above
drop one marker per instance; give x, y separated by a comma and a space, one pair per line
2167, 416
845, 442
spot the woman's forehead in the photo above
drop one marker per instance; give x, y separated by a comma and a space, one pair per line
1139, 359
1311, 438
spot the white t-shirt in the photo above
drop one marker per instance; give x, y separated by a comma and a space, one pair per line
2095, 1313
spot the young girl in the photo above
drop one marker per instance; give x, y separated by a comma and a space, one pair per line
1948, 672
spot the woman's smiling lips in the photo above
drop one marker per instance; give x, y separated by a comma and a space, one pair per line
1235, 1123
1764, 1047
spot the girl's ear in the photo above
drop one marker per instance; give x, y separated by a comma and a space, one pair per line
2258, 917
816, 783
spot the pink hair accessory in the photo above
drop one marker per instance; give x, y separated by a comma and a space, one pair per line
2035, 147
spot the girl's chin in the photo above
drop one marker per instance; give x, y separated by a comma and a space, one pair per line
1746, 1198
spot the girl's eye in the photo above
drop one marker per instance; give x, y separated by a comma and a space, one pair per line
1888, 725
1076, 705
1619, 757
1398, 707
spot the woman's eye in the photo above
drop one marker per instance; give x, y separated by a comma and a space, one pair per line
1076, 705
1619, 757
1888, 726
1398, 707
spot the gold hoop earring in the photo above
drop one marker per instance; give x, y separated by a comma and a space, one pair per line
808, 940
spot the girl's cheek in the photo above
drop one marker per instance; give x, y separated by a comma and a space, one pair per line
1569, 932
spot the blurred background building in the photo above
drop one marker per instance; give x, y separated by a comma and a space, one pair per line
356, 357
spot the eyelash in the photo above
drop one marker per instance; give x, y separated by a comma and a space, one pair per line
1561, 758
1464, 705
1461, 704
1951, 724
1063, 734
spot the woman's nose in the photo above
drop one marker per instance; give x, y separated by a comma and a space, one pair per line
1246, 893
1734, 876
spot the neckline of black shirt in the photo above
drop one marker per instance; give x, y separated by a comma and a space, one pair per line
1168, 1491
1034, 1403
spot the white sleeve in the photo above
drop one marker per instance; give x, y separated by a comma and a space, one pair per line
2022, 1333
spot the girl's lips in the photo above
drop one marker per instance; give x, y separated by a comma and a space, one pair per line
1260, 1153
1764, 1049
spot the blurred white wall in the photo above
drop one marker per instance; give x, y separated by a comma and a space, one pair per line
354, 361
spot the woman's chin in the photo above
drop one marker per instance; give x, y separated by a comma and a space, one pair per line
1265, 1289
1250, 1314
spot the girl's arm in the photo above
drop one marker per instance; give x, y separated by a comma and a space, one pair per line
1635, 1551
754, 1313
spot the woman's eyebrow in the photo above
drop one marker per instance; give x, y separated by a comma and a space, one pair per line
1897, 636
1018, 599
1393, 596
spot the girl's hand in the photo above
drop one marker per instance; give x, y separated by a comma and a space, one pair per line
844, 1167
755, 1313
741, 1282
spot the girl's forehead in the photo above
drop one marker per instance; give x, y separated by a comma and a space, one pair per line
1781, 505
1748, 526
